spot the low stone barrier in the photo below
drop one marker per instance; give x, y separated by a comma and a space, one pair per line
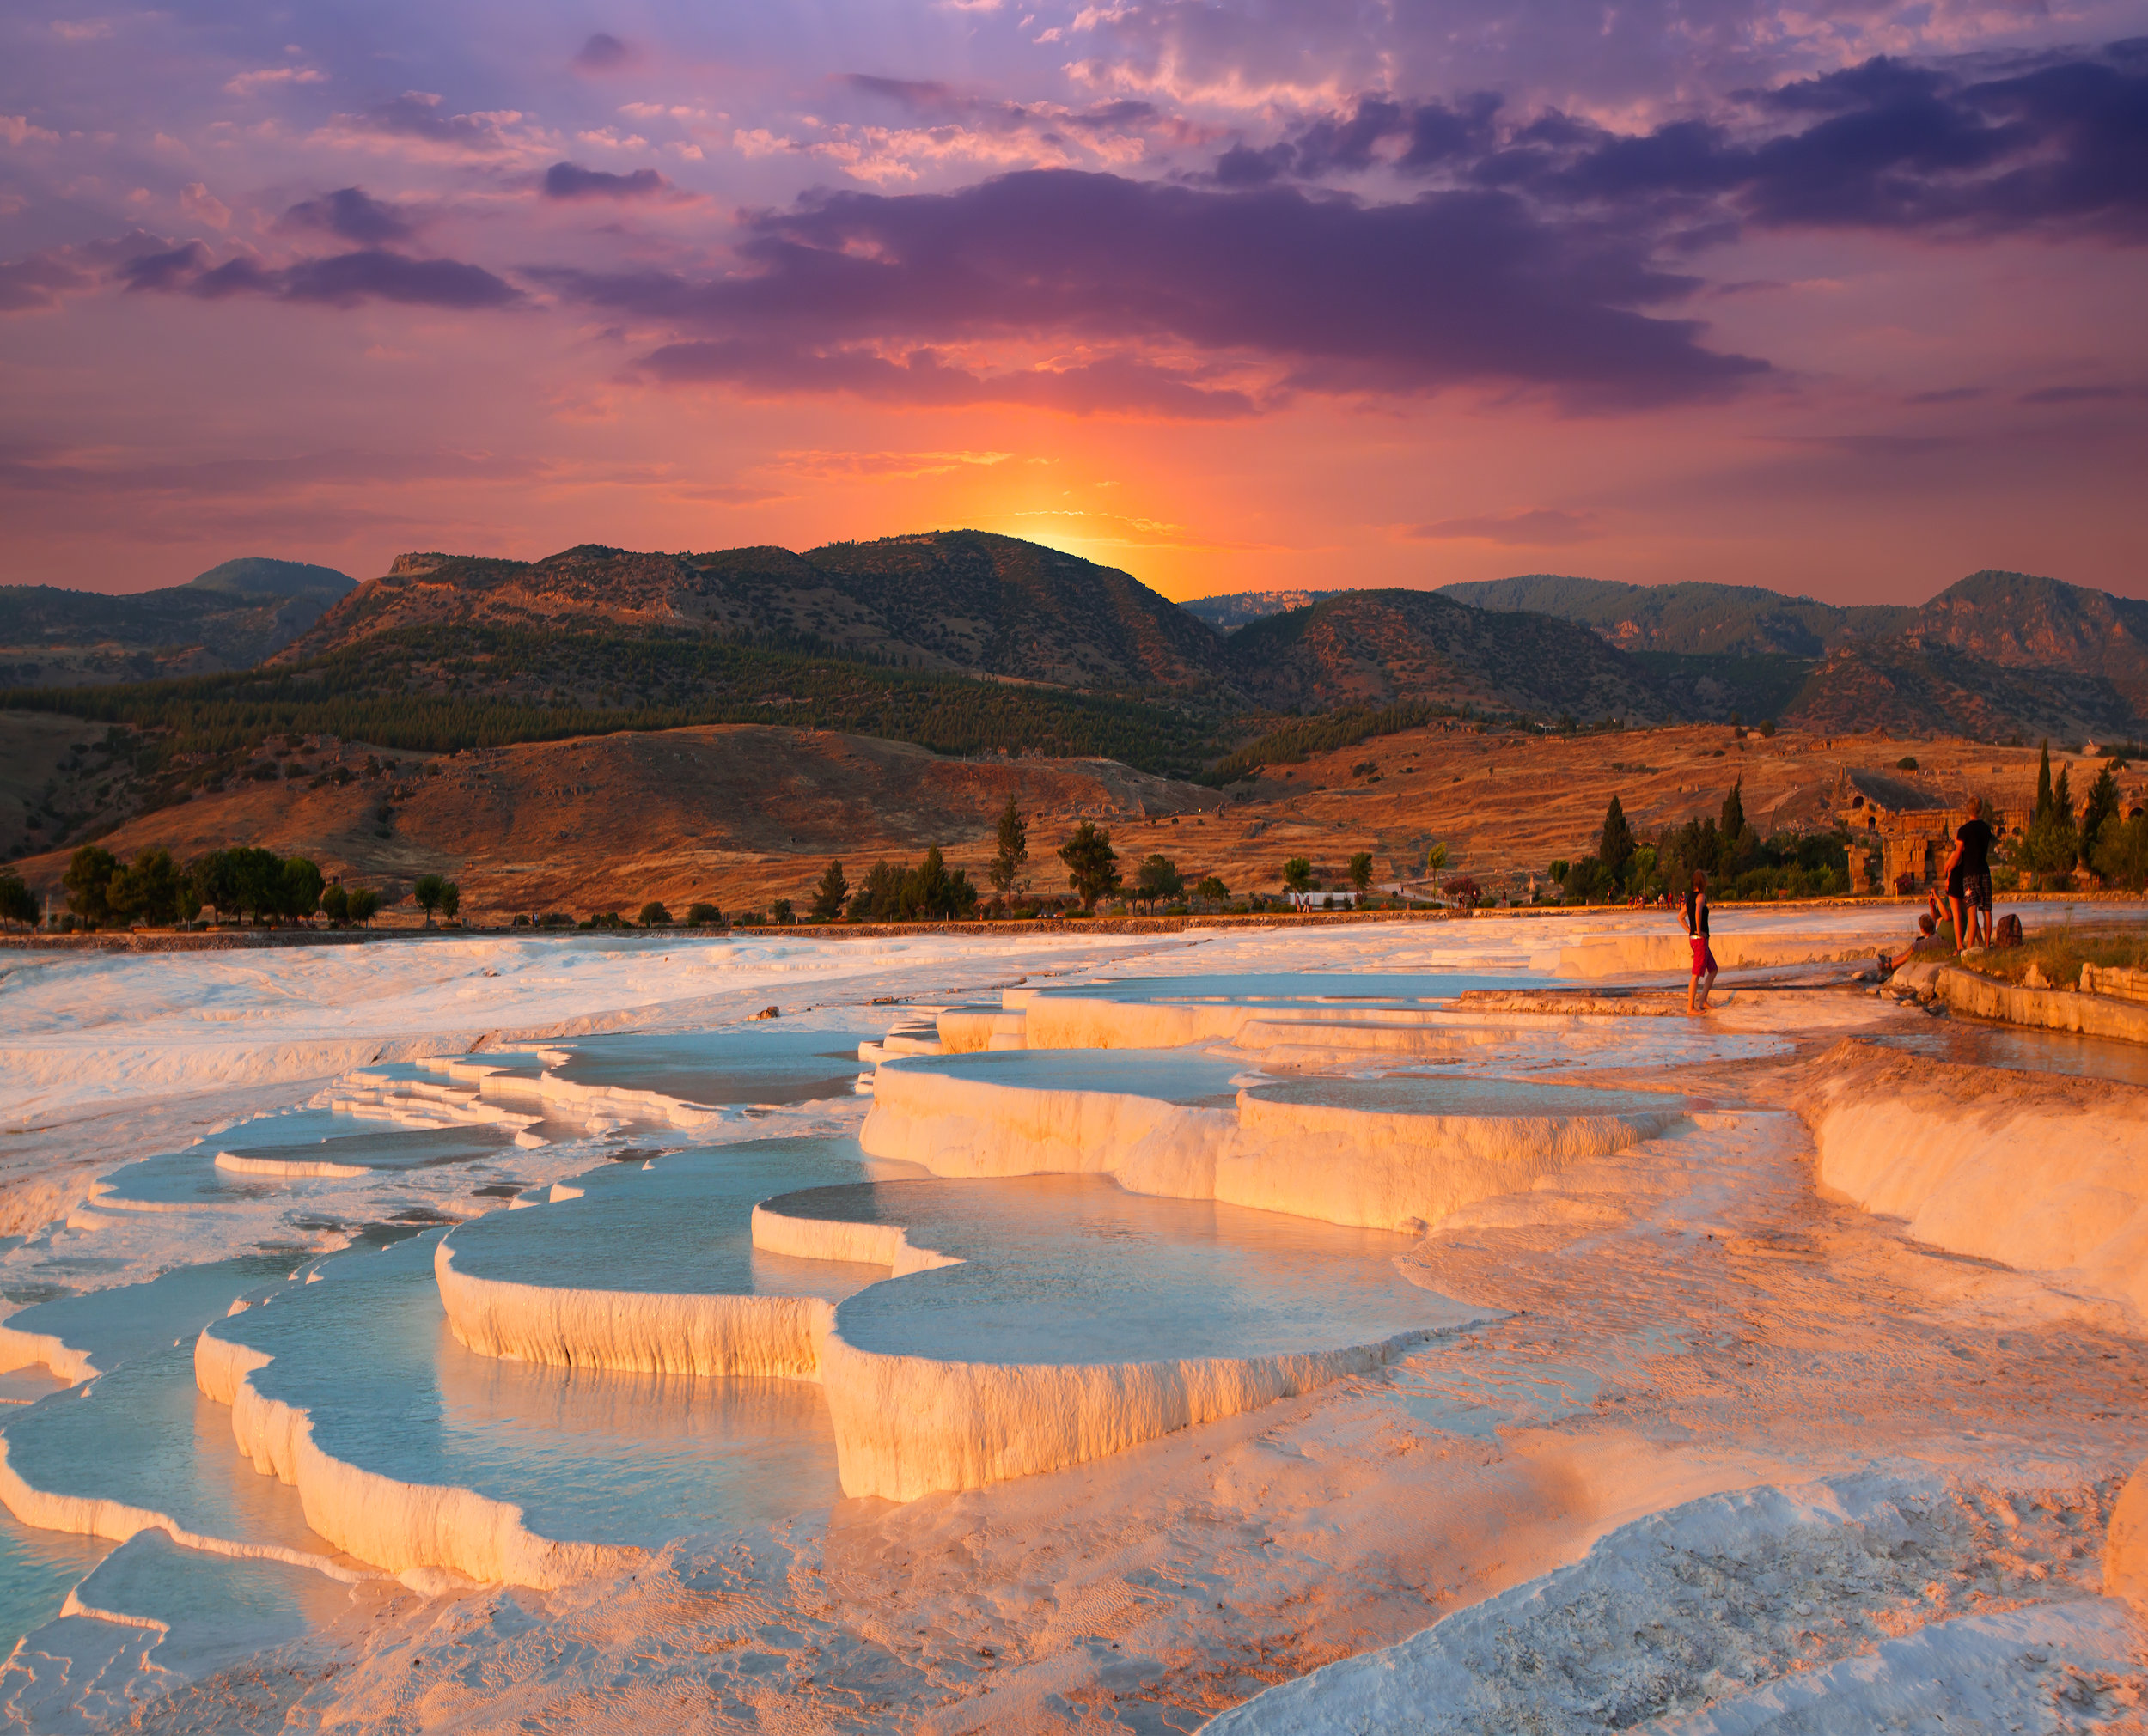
2047, 1009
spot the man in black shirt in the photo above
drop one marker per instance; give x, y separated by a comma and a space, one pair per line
1969, 879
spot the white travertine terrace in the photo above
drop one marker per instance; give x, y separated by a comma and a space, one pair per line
2034, 1171
2048, 1175
649, 1332
397, 1525
1392, 1167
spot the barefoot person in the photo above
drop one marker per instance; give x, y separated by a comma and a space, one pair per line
1695, 913
1933, 940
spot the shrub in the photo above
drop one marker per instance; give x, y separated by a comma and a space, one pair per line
655, 916
428, 891
17, 903
703, 916
89, 883
749, 919
555, 919
1158, 878
1906, 763
781, 910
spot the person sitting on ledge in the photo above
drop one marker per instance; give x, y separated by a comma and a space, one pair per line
1933, 939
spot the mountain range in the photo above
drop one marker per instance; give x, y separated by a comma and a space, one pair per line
232, 617
963, 640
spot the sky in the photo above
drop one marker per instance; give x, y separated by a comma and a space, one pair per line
1844, 299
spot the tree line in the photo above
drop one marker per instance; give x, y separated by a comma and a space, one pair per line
504, 685
245, 882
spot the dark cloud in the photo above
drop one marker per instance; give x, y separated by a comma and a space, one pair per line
1888, 144
351, 213
1121, 385
343, 280
1450, 288
1885, 145
171, 268
417, 114
567, 180
1412, 136
43, 280
932, 101
604, 52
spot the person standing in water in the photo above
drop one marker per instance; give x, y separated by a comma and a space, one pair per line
1694, 912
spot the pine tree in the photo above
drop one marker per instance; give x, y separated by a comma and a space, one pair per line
2043, 783
1092, 865
1616, 849
1013, 850
828, 897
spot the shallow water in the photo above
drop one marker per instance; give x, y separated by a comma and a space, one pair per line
679, 1222
1067, 1269
1973, 1043
1172, 1076
589, 1456
1449, 1095
770, 1064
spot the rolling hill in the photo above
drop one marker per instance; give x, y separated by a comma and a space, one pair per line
1360, 648
946, 601
231, 617
1226, 614
1695, 620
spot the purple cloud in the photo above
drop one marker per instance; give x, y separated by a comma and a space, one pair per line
567, 180
1457, 287
43, 280
604, 52
343, 280
416, 114
351, 213
1893, 147
1122, 385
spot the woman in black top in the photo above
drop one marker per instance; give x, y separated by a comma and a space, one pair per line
1695, 913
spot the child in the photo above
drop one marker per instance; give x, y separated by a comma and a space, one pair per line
1695, 915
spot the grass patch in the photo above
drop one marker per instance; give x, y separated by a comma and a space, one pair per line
2058, 954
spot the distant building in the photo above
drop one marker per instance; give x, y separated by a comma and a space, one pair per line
1910, 828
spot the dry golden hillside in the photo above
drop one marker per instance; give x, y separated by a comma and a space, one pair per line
741, 814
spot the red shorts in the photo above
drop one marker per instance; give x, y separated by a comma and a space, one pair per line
1704, 961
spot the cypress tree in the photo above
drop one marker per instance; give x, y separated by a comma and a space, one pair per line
1733, 823
2043, 783
2102, 803
1616, 849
